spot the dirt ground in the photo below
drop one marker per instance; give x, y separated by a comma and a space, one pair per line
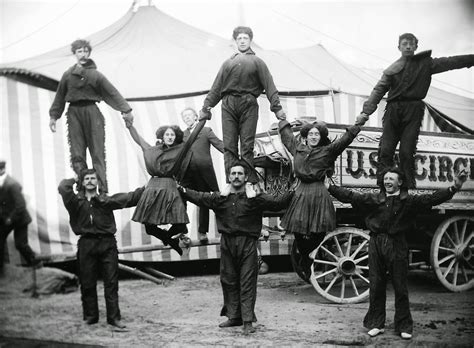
185, 312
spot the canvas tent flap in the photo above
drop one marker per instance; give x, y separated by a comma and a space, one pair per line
148, 54
141, 54
315, 69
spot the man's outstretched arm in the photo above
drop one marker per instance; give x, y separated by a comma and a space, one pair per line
202, 199
427, 201
274, 203
125, 199
443, 64
380, 89
344, 195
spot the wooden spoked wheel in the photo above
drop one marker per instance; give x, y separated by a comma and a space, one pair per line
340, 271
452, 253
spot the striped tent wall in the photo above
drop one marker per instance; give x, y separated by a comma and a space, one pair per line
39, 160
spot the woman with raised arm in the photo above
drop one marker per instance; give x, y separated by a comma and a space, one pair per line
166, 162
311, 213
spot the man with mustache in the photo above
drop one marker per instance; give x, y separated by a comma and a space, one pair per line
239, 220
82, 86
91, 217
239, 82
390, 215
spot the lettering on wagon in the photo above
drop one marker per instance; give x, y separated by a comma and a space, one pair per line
431, 167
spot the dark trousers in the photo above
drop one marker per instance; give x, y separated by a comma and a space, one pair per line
94, 255
238, 272
86, 130
195, 180
388, 254
401, 123
239, 121
203, 220
20, 235
306, 243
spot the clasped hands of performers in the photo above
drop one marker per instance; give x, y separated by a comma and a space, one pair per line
205, 113
128, 119
361, 119
281, 115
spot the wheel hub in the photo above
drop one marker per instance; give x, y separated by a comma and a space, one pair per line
466, 253
463, 253
346, 266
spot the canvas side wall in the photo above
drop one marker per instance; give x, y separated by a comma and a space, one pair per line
39, 159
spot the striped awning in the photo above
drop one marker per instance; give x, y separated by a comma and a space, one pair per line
39, 159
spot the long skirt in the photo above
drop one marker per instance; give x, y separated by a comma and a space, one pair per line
311, 210
161, 204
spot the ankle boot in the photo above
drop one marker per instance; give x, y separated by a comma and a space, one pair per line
157, 232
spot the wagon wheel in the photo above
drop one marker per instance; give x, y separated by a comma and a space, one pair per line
452, 253
340, 270
296, 259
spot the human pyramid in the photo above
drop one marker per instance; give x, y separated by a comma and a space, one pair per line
181, 170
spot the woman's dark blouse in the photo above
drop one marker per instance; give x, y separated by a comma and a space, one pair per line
312, 164
169, 162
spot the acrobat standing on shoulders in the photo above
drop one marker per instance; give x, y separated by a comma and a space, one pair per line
239, 82
407, 82
82, 86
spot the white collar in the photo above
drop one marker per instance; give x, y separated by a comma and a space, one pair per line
393, 194
2, 178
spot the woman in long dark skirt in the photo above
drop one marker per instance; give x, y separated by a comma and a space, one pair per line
161, 203
311, 213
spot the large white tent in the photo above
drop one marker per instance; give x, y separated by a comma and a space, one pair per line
162, 65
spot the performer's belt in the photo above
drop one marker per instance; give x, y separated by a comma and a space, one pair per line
238, 95
404, 99
97, 235
82, 103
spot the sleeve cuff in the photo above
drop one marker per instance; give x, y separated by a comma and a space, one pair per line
354, 130
283, 124
276, 108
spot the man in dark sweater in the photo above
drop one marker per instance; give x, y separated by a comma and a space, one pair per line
82, 86
91, 217
407, 82
239, 82
239, 220
390, 215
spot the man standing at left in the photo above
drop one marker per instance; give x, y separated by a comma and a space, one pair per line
82, 86
91, 217
200, 175
13, 216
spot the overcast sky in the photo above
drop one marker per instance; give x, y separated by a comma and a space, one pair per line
360, 32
